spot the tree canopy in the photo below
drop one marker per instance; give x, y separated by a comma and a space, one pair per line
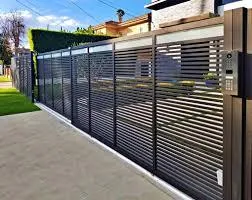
5, 50
13, 28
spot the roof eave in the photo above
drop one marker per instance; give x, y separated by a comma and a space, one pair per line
160, 4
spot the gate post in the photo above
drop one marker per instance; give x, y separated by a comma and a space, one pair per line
114, 95
71, 83
51, 72
33, 78
248, 134
237, 119
37, 78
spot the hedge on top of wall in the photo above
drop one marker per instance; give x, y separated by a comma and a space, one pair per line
45, 40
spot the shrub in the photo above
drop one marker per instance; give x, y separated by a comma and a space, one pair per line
210, 76
45, 40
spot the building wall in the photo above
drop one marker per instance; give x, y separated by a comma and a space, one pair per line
183, 10
102, 31
112, 32
140, 28
136, 29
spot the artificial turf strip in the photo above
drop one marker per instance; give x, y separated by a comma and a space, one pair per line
4, 79
12, 102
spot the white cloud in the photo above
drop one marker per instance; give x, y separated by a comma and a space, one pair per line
24, 13
54, 20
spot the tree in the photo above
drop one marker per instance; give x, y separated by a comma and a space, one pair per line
5, 50
13, 28
89, 30
120, 13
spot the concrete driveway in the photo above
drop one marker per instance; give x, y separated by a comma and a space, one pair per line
42, 158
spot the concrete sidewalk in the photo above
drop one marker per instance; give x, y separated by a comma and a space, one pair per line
41, 158
5, 84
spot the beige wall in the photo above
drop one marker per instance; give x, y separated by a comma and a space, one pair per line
107, 31
140, 28
101, 31
112, 32
183, 10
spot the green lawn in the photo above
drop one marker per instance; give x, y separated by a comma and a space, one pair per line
12, 102
4, 79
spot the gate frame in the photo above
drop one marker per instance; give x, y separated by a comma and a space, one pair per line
237, 119
152, 35
237, 109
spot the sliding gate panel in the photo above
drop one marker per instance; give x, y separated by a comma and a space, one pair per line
57, 82
41, 79
156, 99
21, 74
134, 106
190, 115
29, 77
102, 96
16, 75
80, 91
48, 81
66, 83
25, 75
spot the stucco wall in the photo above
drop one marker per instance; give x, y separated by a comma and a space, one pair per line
136, 29
183, 10
112, 31
140, 28
101, 31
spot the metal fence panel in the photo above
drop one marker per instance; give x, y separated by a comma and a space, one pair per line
160, 105
102, 96
23, 75
15, 74
41, 80
48, 82
189, 115
80, 69
57, 84
134, 75
66, 78
30, 78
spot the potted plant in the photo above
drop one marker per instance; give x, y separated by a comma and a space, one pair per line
187, 86
211, 79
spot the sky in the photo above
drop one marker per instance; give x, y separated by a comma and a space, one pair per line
70, 13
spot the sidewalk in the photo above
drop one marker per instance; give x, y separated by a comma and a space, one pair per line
42, 158
5, 84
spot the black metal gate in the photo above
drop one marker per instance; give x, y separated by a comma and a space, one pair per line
54, 82
155, 99
23, 74
189, 119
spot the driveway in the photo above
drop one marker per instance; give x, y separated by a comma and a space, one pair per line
42, 158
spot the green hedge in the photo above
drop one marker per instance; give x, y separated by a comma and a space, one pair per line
44, 40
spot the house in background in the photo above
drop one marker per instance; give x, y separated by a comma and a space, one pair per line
132, 26
165, 13
173, 12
